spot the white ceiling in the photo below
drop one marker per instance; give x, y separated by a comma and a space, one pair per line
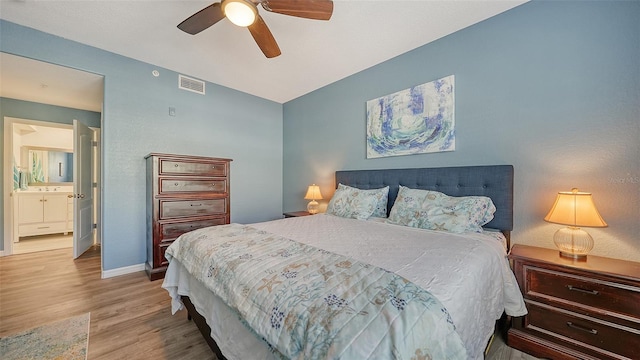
37, 81
315, 53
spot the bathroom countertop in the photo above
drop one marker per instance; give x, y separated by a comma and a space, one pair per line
43, 191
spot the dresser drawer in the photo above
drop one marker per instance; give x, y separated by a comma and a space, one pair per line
171, 230
193, 167
182, 208
162, 248
173, 186
577, 330
583, 291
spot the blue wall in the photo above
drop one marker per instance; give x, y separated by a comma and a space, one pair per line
223, 123
550, 87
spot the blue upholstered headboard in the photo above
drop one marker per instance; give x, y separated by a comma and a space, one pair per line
494, 181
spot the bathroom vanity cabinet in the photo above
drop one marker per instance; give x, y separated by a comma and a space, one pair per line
41, 213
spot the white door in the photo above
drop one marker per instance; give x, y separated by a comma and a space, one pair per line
82, 189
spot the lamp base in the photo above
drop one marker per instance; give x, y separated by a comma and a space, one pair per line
579, 257
573, 242
313, 207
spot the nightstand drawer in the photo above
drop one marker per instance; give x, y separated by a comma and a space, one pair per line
581, 291
569, 327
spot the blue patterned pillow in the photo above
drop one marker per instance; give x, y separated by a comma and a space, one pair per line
356, 203
434, 210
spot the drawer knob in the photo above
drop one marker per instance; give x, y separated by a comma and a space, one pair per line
213, 167
585, 291
582, 328
176, 165
175, 184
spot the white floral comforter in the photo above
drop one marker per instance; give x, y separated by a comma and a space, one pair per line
309, 303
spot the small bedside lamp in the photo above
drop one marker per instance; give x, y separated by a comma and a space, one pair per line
574, 209
313, 194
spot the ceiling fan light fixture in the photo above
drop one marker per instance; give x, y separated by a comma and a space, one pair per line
240, 12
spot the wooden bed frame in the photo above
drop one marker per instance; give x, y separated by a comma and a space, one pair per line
495, 181
202, 325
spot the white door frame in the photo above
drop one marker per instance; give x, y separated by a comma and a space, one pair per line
8, 179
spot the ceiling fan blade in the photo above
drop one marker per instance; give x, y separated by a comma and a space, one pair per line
309, 9
263, 37
202, 19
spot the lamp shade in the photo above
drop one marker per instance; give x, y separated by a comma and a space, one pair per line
576, 209
313, 193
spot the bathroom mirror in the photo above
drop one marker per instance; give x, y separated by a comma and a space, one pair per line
48, 166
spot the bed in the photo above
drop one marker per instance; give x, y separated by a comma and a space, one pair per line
462, 277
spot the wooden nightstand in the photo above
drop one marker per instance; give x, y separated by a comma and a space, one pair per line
295, 214
577, 309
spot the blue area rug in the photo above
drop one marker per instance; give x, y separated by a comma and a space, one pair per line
66, 339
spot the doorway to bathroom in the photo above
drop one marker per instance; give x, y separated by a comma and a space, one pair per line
51, 187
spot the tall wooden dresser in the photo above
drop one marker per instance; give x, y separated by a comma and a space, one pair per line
184, 193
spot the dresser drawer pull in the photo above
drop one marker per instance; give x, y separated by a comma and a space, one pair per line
573, 288
176, 184
196, 204
578, 327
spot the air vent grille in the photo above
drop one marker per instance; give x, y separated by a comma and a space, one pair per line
189, 84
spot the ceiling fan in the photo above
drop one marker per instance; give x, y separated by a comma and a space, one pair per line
245, 13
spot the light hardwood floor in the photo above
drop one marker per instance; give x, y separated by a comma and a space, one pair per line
130, 315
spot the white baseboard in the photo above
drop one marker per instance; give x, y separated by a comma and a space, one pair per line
122, 271
1, 253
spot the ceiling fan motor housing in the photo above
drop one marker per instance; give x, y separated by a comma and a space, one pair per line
240, 12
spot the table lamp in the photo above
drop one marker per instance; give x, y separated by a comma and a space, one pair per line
575, 209
313, 194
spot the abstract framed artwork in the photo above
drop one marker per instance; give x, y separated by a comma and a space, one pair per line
417, 120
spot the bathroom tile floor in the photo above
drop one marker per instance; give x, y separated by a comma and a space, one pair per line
29, 244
